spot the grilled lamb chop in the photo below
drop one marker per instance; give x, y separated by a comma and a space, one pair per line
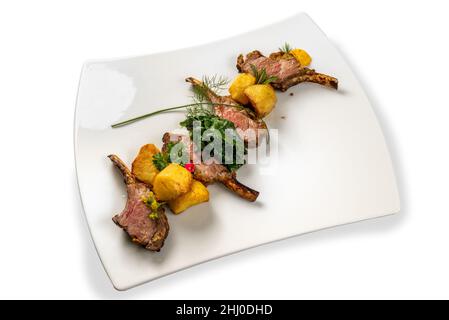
286, 68
134, 219
213, 172
242, 118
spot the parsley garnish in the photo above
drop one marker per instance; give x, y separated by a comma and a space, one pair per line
210, 121
163, 159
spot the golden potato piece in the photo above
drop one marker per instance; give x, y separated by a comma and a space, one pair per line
198, 193
171, 182
301, 56
143, 167
262, 98
240, 83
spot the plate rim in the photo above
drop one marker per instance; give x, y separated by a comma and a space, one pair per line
115, 283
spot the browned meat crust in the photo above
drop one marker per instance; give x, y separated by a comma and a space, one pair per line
134, 219
286, 68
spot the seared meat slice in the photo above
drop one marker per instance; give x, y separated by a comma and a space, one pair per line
286, 68
134, 219
214, 172
243, 118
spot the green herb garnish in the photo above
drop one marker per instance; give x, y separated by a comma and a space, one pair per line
153, 215
286, 48
129, 121
152, 204
207, 124
163, 159
209, 85
214, 85
261, 76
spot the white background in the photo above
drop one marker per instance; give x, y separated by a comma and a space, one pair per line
398, 50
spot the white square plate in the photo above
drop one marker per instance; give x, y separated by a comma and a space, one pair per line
334, 164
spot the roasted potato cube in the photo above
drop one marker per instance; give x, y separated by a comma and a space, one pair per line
143, 167
171, 182
240, 83
262, 98
198, 193
301, 56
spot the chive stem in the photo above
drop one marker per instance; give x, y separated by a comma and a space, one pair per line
129, 121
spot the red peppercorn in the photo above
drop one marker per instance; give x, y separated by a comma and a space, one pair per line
190, 167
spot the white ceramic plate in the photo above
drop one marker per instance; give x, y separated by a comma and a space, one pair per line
334, 164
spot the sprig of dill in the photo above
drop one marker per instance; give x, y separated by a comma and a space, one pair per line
213, 85
209, 85
286, 48
262, 76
